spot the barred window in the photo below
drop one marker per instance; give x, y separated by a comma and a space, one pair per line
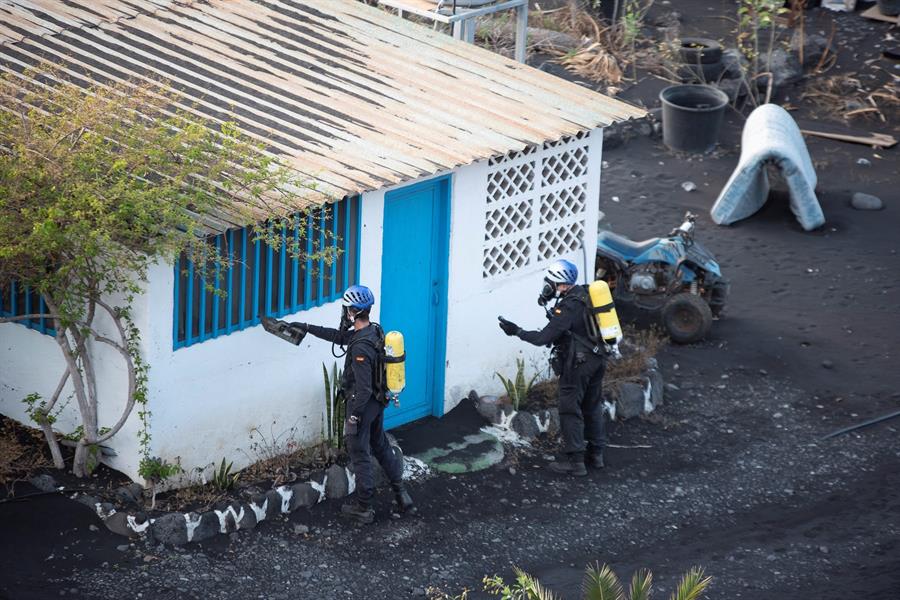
18, 300
263, 281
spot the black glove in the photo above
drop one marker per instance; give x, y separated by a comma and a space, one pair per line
508, 327
304, 327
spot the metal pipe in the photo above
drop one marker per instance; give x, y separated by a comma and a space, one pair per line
874, 421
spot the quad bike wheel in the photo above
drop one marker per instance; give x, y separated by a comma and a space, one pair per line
687, 318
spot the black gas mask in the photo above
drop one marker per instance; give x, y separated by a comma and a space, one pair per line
347, 319
548, 292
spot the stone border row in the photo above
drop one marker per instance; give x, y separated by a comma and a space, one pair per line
180, 528
629, 399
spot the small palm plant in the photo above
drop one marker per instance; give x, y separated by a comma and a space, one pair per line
334, 407
600, 583
517, 389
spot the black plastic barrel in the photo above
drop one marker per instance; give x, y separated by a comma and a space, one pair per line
692, 117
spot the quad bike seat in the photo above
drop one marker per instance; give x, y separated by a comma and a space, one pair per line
624, 246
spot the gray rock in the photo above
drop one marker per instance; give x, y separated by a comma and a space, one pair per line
489, 408
123, 547
44, 482
473, 397
273, 508
336, 484
248, 521
524, 424
106, 509
300, 529
132, 493
733, 63
657, 388
88, 500
630, 400
861, 201
551, 414
118, 523
170, 529
229, 515
304, 496
209, 527
813, 47
828, 364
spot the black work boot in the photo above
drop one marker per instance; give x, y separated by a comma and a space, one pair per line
403, 502
362, 512
568, 465
594, 460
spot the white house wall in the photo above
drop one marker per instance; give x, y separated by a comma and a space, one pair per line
476, 348
31, 362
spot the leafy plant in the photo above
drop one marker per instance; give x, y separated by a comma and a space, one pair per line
517, 389
335, 407
756, 39
600, 583
155, 470
98, 183
223, 478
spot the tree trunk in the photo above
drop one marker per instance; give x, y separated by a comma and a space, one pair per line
53, 443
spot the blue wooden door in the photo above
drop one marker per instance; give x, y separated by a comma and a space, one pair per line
414, 291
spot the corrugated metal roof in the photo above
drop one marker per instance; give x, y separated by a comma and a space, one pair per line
350, 95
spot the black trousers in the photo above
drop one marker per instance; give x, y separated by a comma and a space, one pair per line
581, 419
371, 442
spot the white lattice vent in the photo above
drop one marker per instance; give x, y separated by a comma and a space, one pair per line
553, 242
511, 181
509, 219
536, 204
563, 203
506, 256
569, 164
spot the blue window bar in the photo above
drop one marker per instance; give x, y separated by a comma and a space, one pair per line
18, 300
265, 281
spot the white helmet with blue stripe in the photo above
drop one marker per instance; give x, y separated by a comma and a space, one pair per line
562, 271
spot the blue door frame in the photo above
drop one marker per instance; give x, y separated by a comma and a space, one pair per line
414, 263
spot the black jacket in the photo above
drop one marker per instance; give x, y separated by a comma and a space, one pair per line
566, 317
359, 377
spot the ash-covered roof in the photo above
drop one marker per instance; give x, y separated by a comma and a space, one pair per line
351, 96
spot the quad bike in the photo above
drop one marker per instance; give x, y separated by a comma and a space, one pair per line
673, 276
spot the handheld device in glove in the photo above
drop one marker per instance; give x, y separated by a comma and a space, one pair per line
290, 332
508, 327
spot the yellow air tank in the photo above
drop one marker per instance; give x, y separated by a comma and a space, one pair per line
394, 363
604, 311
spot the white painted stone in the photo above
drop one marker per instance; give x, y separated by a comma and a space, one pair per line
191, 525
319, 487
260, 511
222, 515
133, 525
285, 492
351, 481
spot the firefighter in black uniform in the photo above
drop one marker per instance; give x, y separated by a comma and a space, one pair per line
364, 428
580, 365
